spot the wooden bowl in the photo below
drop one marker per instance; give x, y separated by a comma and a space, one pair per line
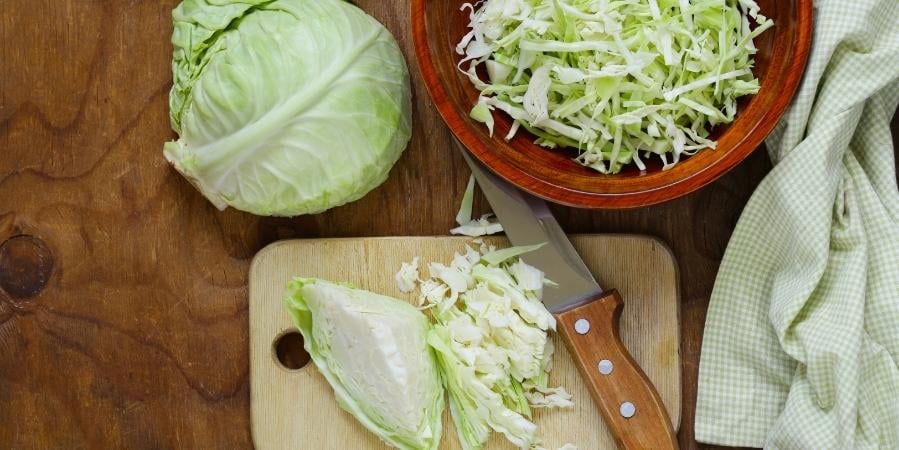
437, 25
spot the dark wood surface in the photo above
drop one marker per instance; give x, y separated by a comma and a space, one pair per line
123, 297
437, 25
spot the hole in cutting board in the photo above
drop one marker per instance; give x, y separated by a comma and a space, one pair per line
289, 351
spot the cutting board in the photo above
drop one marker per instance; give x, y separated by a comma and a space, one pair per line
295, 409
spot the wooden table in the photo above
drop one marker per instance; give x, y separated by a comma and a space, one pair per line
123, 307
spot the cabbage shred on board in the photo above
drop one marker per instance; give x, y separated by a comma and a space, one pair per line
619, 80
491, 337
285, 107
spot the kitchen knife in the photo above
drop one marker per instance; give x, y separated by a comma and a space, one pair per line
587, 317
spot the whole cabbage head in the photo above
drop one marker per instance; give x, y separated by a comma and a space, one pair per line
285, 107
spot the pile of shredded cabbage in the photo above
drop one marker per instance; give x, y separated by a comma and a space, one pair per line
491, 341
619, 80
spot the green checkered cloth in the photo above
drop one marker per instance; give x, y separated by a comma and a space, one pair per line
802, 337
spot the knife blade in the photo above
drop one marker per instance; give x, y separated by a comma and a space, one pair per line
587, 318
531, 222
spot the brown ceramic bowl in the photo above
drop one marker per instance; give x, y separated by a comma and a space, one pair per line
437, 25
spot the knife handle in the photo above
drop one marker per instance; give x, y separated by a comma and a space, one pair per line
628, 401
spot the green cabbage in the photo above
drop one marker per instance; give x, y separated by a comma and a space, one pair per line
285, 107
619, 80
491, 338
373, 351
487, 224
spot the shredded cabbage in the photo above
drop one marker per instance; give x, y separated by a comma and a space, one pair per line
487, 224
568, 447
618, 80
407, 277
491, 341
484, 226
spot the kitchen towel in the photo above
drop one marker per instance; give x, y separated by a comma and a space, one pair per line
801, 340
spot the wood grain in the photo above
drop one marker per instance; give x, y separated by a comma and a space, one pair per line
139, 338
288, 408
646, 425
437, 25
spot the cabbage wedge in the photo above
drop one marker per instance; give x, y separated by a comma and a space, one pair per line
373, 351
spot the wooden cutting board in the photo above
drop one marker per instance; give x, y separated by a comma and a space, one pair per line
295, 409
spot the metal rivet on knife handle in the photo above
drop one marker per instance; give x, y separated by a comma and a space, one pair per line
605, 367
582, 326
627, 410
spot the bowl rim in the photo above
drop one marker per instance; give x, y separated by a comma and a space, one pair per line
461, 128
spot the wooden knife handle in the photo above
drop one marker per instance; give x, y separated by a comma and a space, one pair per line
619, 386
